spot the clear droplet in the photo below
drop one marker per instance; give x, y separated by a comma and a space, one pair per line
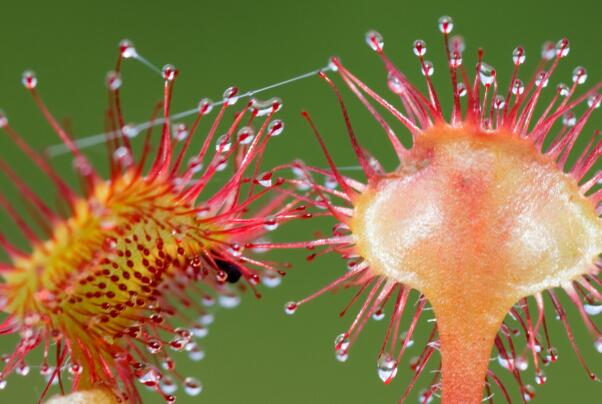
265, 179
231, 95
518, 55
446, 24
29, 79
3, 119
271, 279
113, 80
428, 68
205, 106
569, 119
375, 41
154, 346
529, 392
562, 89
395, 85
593, 101
486, 74
457, 44
541, 80
22, 369
593, 309
222, 144
195, 353
499, 102
266, 107
290, 308
245, 135
3, 384
130, 130
378, 315
562, 48
167, 385
75, 369
275, 127
169, 72
461, 89
149, 376
548, 50
540, 377
127, 49
192, 386
518, 88
598, 344
341, 342
419, 47
386, 366
179, 131
229, 301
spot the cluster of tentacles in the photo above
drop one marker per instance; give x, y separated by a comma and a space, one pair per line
447, 222
112, 288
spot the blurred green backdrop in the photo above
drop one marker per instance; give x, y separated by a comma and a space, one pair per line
256, 354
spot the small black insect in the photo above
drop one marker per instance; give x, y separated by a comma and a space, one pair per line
231, 269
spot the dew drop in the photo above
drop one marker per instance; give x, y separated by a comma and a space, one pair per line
3, 119
518, 55
419, 48
552, 355
341, 342
229, 301
486, 74
548, 50
521, 363
529, 392
231, 95
205, 106
395, 85
113, 80
518, 87
461, 89
593, 101
29, 79
154, 346
457, 44
342, 356
446, 24
562, 48
375, 41
75, 369
194, 352
127, 49
332, 64
266, 107
149, 376
192, 386
425, 396
169, 72
222, 144
428, 68
130, 130
199, 331
593, 309
540, 377
195, 165
22, 369
455, 60
271, 279
275, 127
265, 179
3, 384
598, 344
386, 366
562, 89
179, 131
167, 385
378, 315
290, 308
206, 319
499, 102
541, 80
245, 135
569, 119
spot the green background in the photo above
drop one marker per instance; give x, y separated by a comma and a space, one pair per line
256, 354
